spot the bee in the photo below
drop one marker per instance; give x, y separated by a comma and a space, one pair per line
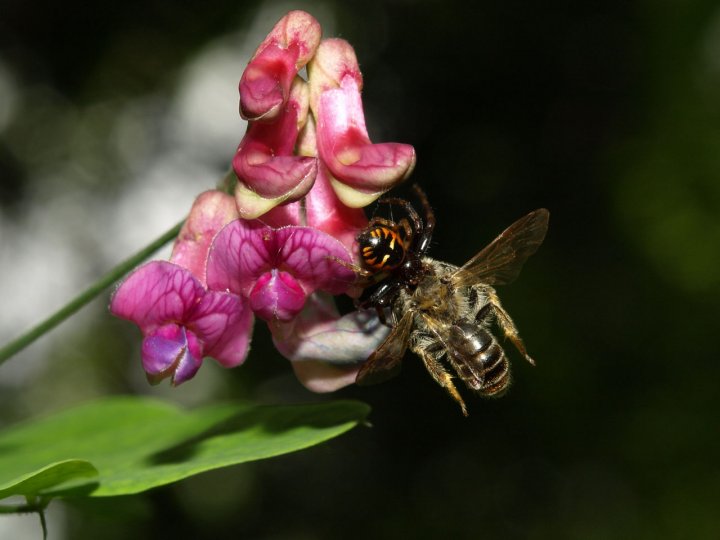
442, 312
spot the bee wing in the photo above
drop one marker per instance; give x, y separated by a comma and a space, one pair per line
384, 363
500, 262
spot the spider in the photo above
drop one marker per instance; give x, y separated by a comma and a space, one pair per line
392, 253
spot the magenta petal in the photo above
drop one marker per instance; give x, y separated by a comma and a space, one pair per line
344, 145
156, 293
277, 296
265, 84
328, 214
238, 256
265, 163
309, 255
223, 321
170, 351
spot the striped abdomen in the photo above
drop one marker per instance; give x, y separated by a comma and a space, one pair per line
381, 248
478, 359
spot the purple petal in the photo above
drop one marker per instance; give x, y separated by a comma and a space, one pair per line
223, 321
308, 254
170, 351
156, 293
277, 296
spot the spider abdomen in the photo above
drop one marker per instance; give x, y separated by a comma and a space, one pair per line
381, 248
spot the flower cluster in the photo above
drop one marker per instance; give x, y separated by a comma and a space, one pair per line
281, 246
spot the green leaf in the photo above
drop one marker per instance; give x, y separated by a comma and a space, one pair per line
47, 477
139, 443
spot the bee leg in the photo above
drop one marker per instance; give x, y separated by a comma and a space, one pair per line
506, 323
442, 377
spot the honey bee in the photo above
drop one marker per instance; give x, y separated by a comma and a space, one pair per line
441, 312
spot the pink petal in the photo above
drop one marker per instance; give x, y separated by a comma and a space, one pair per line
327, 213
239, 255
268, 172
308, 254
156, 293
210, 212
277, 296
265, 83
344, 146
361, 171
223, 321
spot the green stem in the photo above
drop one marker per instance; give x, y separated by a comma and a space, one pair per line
86, 296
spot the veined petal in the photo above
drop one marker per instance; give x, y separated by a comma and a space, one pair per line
223, 321
156, 293
239, 255
277, 296
210, 212
265, 83
309, 255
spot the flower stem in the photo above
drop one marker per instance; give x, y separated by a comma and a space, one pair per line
86, 296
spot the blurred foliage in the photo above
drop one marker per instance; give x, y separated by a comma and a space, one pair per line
604, 112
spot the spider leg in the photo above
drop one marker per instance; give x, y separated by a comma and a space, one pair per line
423, 241
352, 266
383, 296
417, 224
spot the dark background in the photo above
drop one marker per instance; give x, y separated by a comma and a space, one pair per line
606, 113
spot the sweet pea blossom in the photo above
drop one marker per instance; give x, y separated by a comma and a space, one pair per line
182, 321
284, 242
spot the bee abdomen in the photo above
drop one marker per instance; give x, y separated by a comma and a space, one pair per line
496, 369
478, 359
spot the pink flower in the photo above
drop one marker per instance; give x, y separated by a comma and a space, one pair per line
361, 171
276, 269
181, 321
